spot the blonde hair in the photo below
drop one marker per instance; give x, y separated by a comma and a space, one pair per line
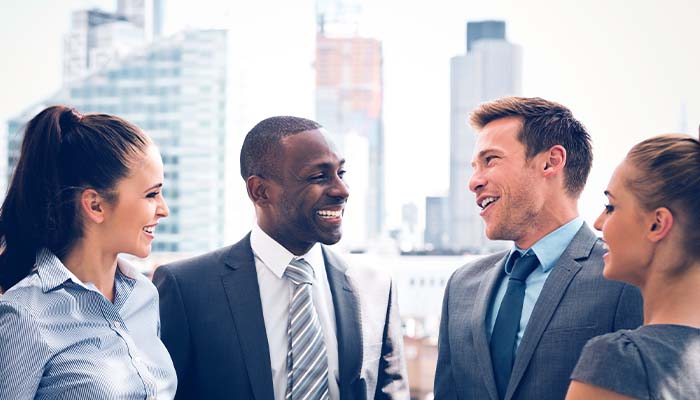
668, 175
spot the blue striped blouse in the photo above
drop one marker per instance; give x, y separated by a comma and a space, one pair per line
61, 338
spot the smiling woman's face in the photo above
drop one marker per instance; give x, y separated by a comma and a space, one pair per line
132, 219
623, 223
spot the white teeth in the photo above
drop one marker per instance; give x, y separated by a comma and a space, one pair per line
330, 214
487, 201
149, 229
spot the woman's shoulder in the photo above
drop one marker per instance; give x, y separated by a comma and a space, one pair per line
26, 295
22, 309
623, 340
613, 361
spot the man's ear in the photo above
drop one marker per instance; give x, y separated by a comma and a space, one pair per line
660, 225
92, 205
258, 190
554, 160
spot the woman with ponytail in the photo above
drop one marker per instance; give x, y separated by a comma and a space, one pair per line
651, 227
76, 321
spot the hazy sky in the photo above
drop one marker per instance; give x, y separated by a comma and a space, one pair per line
626, 69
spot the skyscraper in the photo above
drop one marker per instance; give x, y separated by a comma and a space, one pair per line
490, 68
349, 92
174, 89
436, 222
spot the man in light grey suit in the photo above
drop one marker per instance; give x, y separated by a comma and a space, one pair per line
278, 315
514, 323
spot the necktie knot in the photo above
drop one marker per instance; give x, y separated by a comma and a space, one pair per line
523, 267
300, 271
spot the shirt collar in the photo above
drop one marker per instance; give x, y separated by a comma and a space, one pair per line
550, 248
53, 273
276, 257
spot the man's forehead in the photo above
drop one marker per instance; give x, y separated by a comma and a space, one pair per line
501, 138
309, 148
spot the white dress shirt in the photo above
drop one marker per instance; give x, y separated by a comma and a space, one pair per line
271, 260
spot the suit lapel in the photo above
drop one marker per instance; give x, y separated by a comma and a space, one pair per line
243, 294
480, 334
347, 316
552, 292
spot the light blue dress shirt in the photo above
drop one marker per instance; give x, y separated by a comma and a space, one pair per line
548, 250
61, 338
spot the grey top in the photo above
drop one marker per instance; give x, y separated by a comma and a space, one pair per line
650, 362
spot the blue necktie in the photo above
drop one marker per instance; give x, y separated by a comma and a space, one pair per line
505, 330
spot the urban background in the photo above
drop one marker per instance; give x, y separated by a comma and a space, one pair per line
392, 82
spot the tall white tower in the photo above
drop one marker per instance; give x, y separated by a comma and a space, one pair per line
490, 69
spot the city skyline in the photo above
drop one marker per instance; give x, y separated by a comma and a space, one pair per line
170, 87
626, 72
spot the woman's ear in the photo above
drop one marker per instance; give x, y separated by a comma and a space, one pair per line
92, 205
660, 225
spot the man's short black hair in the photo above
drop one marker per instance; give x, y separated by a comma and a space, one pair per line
261, 145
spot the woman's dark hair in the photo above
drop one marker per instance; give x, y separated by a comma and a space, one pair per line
62, 154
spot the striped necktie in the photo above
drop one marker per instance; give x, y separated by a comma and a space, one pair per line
307, 362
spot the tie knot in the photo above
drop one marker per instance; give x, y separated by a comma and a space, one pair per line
523, 267
300, 271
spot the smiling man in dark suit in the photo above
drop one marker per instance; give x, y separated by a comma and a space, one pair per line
278, 315
514, 323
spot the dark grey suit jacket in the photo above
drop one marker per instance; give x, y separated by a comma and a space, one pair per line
212, 324
576, 304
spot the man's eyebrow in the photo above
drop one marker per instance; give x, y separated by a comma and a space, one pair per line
482, 154
324, 164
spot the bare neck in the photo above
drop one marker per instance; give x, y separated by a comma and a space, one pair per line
673, 299
547, 221
89, 263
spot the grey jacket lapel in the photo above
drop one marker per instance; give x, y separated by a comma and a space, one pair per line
243, 294
479, 318
552, 292
347, 316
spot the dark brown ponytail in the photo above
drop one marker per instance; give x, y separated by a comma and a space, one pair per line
62, 154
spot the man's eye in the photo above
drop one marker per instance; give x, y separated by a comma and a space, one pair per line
341, 173
317, 177
488, 159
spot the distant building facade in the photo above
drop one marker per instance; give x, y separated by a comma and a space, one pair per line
436, 233
490, 69
174, 89
349, 93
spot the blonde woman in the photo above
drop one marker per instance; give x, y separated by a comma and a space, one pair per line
650, 227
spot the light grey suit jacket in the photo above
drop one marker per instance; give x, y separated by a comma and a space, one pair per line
213, 327
576, 304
